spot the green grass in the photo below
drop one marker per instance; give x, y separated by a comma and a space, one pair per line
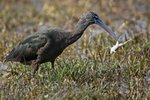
86, 70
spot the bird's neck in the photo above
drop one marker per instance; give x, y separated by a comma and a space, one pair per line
78, 31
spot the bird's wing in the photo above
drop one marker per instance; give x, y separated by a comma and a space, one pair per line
28, 48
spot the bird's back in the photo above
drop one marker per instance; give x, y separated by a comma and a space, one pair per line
47, 44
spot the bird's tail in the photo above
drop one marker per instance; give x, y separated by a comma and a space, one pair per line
4, 60
7, 58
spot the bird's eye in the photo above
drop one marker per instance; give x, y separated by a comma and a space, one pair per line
96, 17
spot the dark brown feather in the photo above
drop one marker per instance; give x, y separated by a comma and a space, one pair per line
40, 45
44, 46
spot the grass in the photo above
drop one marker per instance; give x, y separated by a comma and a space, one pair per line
85, 70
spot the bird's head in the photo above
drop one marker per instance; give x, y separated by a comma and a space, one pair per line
93, 18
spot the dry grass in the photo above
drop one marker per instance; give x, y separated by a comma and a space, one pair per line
85, 70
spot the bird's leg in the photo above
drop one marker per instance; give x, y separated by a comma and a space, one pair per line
53, 68
52, 64
36, 67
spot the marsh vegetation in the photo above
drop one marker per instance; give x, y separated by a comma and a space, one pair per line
86, 69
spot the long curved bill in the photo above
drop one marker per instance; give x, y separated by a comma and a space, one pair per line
105, 27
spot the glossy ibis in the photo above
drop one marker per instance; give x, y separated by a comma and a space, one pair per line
47, 45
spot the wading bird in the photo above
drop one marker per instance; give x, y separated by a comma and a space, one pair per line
47, 45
